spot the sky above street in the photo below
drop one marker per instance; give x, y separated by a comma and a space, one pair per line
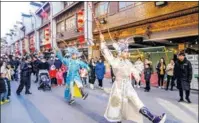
10, 13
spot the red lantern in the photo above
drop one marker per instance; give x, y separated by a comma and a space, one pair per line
80, 13
48, 46
81, 39
80, 29
80, 20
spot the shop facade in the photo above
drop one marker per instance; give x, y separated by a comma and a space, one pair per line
151, 22
144, 24
70, 27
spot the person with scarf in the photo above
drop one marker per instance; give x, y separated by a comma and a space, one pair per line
124, 103
73, 79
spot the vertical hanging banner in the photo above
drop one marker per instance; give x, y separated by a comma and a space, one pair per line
31, 42
23, 47
26, 42
47, 38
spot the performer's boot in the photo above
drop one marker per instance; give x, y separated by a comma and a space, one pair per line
71, 101
84, 95
155, 119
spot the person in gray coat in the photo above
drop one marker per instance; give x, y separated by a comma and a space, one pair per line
183, 74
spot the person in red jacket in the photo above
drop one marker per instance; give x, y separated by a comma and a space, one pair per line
52, 73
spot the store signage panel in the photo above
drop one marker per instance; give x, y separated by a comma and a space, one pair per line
194, 61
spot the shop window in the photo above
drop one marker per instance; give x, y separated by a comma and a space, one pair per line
101, 9
70, 23
61, 27
124, 5
41, 35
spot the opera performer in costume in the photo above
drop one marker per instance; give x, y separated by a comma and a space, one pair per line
74, 86
124, 103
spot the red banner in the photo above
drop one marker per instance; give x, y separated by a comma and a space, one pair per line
32, 43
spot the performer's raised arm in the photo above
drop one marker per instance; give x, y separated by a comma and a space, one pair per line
59, 55
106, 52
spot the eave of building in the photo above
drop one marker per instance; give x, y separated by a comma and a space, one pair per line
43, 25
30, 32
151, 20
40, 9
65, 9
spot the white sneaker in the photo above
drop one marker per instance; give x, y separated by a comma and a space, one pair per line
101, 88
138, 86
135, 86
159, 87
92, 86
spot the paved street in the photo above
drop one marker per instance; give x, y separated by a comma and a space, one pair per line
50, 107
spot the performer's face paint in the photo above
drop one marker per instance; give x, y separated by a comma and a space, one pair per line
74, 56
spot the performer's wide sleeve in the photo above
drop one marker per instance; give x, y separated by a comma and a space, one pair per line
107, 54
61, 58
84, 65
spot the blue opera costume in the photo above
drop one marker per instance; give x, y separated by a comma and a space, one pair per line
73, 77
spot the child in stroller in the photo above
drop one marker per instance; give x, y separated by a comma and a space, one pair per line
44, 81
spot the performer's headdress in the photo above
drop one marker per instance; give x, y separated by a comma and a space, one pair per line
121, 45
72, 50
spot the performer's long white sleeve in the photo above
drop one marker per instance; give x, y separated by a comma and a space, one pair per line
107, 54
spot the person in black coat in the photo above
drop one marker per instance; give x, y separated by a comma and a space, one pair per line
92, 76
43, 65
57, 63
26, 69
183, 74
147, 76
36, 63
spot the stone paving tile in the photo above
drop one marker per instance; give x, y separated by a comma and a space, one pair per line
50, 107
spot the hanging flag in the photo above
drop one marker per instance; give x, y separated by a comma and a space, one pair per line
26, 15
35, 4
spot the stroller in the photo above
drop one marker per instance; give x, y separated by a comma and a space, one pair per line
44, 81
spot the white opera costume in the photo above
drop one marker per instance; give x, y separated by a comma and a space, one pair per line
124, 103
